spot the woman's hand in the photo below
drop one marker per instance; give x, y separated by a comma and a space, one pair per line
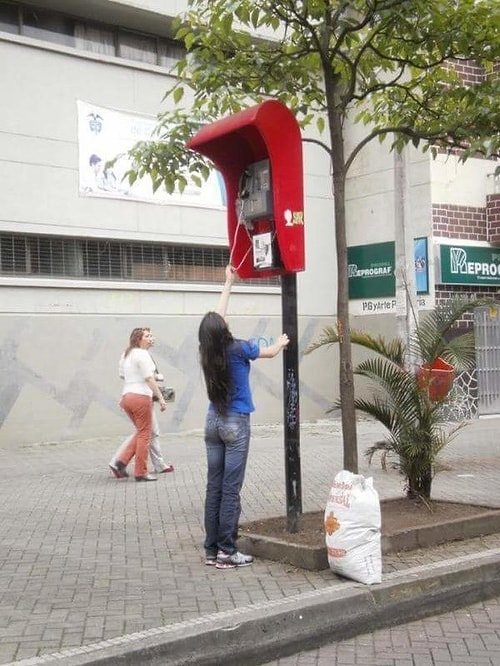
230, 274
226, 290
155, 390
283, 340
273, 350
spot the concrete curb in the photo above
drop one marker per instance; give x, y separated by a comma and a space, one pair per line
302, 556
263, 632
314, 558
433, 535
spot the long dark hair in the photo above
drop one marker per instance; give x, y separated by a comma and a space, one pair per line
214, 337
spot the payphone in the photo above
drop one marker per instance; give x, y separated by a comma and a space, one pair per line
255, 193
254, 210
258, 151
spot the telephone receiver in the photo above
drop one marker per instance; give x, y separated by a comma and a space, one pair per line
244, 185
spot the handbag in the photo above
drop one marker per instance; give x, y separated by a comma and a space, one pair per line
167, 392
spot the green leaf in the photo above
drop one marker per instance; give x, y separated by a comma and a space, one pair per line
178, 94
189, 40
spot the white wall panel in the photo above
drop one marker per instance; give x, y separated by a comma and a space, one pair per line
461, 184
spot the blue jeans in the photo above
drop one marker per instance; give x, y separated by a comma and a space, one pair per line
227, 439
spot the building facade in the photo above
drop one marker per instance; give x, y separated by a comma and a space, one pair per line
83, 260
85, 257
432, 223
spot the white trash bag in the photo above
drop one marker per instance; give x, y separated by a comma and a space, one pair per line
353, 528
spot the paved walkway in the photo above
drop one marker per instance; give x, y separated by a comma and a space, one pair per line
85, 558
468, 636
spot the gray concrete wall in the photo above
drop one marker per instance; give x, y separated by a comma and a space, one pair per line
59, 374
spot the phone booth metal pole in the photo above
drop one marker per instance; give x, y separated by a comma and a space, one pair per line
291, 392
258, 151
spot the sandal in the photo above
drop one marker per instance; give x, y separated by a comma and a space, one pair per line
168, 468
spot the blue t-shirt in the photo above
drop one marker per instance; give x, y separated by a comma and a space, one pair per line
239, 355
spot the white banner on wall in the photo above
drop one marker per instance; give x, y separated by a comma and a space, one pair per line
105, 133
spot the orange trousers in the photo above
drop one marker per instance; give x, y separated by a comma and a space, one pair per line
138, 409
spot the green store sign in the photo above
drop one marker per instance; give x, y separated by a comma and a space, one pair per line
371, 269
469, 265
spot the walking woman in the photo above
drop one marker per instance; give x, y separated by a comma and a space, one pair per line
225, 362
155, 454
137, 369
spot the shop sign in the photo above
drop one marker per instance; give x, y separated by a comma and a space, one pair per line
371, 269
473, 265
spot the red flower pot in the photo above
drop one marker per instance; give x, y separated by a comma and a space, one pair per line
437, 378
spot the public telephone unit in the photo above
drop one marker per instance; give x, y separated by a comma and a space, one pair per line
258, 151
255, 192
255, 211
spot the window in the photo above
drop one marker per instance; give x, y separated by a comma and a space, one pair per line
101, 259
13, 255
88, 36
169, 53
137, 47
94, 39
148, 262
9, 17
49, 26
52, 256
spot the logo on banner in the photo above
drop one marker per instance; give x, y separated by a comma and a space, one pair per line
459, 264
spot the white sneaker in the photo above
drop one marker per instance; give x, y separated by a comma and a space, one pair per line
225, 561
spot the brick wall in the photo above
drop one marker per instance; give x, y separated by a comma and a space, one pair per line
469, 71
471, 74
460, 222
464, 223
446, 291
467, 222
493, 217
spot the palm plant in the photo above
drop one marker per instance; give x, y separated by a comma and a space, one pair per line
416, 424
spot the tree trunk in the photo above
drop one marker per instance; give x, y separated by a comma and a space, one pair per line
346, 377
335, 105
419, 483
